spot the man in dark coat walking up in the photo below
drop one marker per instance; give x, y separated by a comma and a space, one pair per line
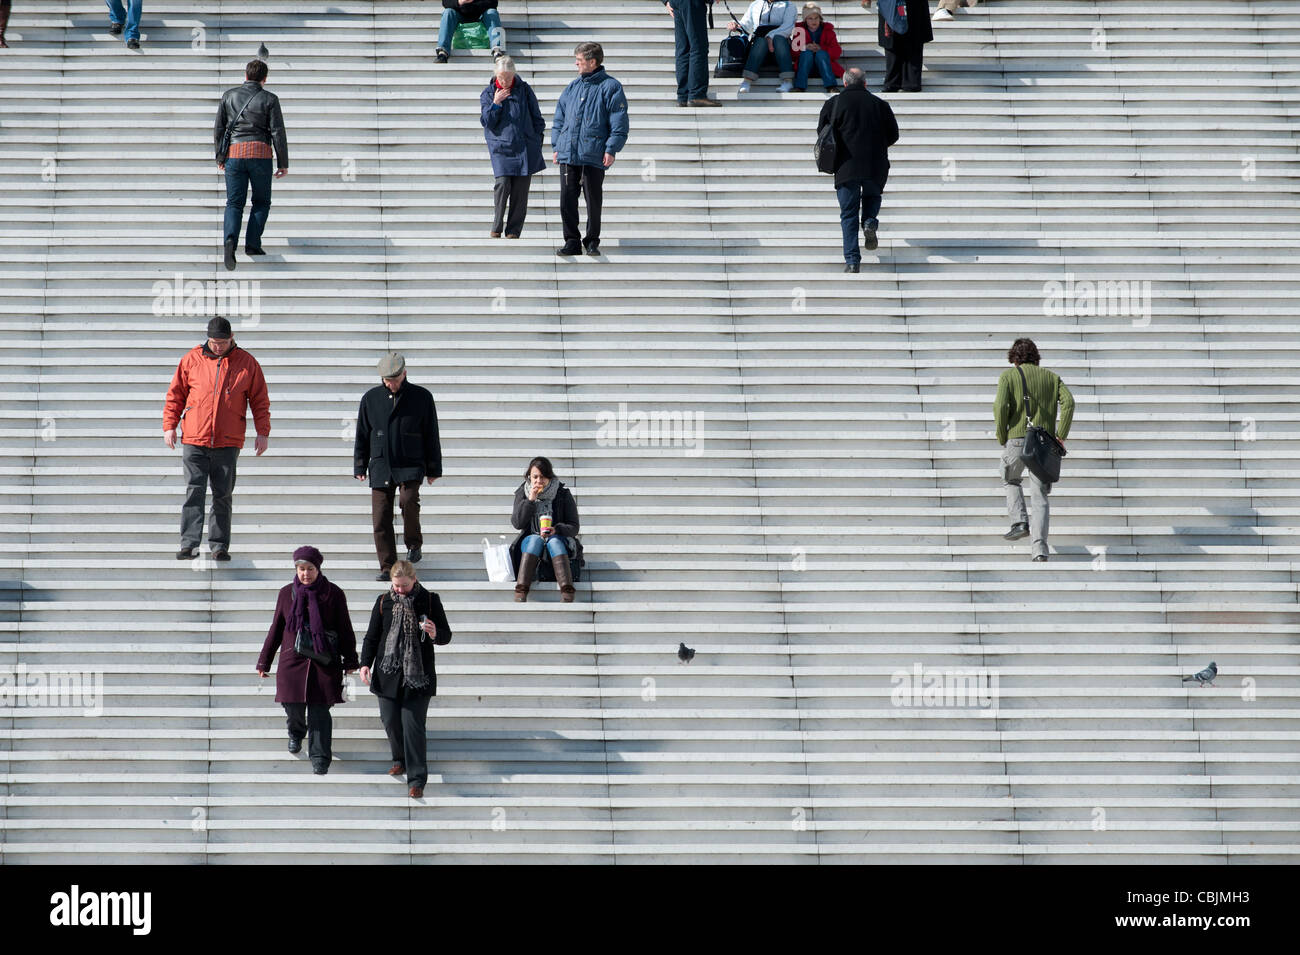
903, 50
865, 128
397, 445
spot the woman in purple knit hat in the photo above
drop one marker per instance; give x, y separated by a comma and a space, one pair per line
306, 688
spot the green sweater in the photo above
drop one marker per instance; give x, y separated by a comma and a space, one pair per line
1046, 391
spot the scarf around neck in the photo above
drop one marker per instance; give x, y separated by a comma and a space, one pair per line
402, 646
304, 610
544, 506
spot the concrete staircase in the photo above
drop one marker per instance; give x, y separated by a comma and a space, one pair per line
837, 528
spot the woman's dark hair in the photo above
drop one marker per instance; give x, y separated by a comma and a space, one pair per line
1023, 352
256, 71
543, 465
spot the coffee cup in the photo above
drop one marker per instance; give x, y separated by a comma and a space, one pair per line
545, 523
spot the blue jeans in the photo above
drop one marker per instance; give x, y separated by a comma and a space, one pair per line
807, 60
691, 42
555, 546
758, 53
239, 173
129, 16
863, 194
491, 22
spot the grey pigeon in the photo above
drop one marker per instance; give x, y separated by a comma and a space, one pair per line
684, 653
263, 52
1204, 676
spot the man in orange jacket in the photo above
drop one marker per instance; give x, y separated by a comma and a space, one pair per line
214, 385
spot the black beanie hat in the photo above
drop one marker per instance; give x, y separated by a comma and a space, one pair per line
219, 328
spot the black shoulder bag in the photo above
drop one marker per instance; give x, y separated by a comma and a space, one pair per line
304, 646
1042, 452
230, 127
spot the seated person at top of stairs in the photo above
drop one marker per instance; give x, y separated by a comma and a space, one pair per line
546, 517
514, 130
456, 12
770, 24
305, 688
815, 45
946, 8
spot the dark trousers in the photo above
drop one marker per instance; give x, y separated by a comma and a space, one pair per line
691, 44
403, 720
858, 194
240, 173
510, 191
903, 68
588, 180
204, 466
381, 514
313, 721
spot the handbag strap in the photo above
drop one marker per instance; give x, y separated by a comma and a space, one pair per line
1024, 387
230, 130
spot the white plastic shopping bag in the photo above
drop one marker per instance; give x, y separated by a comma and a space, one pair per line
497, 559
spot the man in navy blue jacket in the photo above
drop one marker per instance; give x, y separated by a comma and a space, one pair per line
590, 128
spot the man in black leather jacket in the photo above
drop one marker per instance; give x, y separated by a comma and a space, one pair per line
249, 127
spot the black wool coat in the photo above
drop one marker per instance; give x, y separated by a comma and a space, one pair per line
426, 602
524, 519
865, 128
919, 30
397, 436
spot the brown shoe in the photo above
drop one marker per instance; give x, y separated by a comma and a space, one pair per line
563, 577
396, 769
704, 101
509, 236
495, 235
416, 792
527, 567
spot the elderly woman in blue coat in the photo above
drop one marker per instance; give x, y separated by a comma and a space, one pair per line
513, 127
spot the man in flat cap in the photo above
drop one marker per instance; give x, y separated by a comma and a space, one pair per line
214, 386
397, 445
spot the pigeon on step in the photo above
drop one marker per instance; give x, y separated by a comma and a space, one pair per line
1204, 676
684, 653
263, 52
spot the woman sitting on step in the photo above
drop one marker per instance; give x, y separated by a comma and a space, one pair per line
546, 517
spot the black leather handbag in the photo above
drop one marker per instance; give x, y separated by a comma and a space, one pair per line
826, 149
733, 51
1041, 452
304, 646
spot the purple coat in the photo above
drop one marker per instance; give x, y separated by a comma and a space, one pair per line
297, 679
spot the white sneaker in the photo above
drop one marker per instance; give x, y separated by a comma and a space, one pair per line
785, 87
743, 87
942, 15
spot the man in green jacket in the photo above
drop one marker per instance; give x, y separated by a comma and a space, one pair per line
1054, 410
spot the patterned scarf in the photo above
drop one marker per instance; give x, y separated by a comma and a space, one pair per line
402, 646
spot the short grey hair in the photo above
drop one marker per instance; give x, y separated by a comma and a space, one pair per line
504, 64
854, 77
590, 51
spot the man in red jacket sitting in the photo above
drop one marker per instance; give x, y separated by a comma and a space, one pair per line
214, 386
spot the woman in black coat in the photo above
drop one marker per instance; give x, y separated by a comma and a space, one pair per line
904, 51
405, 624
546, 517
